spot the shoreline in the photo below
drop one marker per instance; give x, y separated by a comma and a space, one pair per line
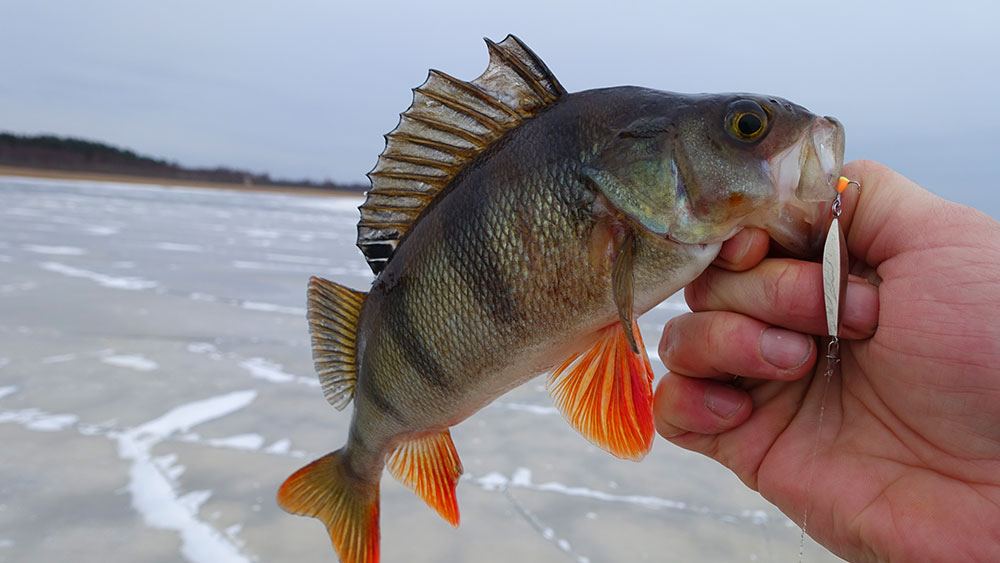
166, 182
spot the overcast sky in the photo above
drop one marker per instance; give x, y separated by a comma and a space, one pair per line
308, 88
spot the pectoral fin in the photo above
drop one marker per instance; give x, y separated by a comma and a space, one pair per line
429, 466
606, 393
623, 283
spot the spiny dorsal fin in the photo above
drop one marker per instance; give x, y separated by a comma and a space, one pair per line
449, 122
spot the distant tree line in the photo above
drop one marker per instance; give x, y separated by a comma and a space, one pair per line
77, 155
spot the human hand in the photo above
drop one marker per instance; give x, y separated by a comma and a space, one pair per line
905, 465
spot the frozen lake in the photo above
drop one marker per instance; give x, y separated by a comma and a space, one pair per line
156, 387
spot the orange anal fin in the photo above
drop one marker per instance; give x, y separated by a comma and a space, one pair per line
430, 467
324, 489
606, 393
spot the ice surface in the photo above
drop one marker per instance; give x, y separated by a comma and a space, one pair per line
156, 383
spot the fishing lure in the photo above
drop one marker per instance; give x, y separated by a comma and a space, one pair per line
835, 268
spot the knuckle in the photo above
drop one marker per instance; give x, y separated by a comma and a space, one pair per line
789, 288
717, 331
698, 294
666, 340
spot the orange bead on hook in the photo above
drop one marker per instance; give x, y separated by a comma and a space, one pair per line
844, 181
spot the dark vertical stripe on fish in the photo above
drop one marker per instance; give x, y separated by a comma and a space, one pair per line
356, 437
406, 335
371, 389
481, 265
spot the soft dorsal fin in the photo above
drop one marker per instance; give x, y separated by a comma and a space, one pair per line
449, 122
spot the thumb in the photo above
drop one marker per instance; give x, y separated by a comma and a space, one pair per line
893, 215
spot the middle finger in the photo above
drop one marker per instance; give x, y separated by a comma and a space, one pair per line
720, 344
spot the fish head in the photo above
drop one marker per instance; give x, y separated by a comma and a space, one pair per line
698, 169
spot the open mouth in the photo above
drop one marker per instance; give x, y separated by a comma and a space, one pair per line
808, 170
804, 176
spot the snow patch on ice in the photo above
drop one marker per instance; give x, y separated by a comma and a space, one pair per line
272, 308
54, 250
262, 233
282, 446
132, 361
102, 230
492, 481
233, 532
59, 358
105, 280
239, 442
521, 479
36, 419
267, 370
205, 348
153, 491
179, 247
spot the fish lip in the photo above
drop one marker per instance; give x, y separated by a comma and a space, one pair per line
826, 149
820, 148
804, 177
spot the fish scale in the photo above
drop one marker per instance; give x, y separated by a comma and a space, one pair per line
516, 229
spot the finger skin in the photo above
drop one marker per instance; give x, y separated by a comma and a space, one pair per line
688, 405
723, 344
786, 293
744, 250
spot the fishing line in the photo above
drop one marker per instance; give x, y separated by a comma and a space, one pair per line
835, 268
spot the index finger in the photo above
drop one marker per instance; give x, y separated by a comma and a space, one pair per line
786, 293
744, 251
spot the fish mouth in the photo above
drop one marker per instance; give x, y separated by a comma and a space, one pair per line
805, 177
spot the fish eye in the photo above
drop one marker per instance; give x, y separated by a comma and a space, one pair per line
746, 120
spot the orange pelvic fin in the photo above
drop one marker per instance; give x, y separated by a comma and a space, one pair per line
430, 467
606, 393
326, 489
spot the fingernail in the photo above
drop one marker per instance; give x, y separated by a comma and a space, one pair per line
861, 307
783, 348
723, 401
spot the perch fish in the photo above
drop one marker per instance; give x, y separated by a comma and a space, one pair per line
517, 229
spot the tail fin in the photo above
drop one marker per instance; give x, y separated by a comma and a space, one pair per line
334, 311
325, 489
